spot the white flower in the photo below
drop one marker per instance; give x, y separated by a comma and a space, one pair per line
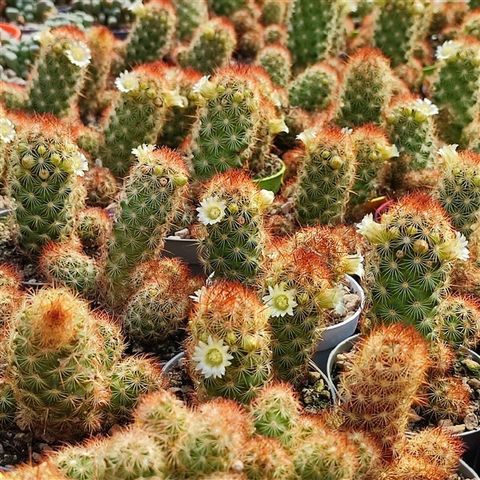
307, 137
211, 210
174, 99
7, 130
80, 164
197, 294
347, 130
449, 153
447, 50
279, 301
265, 198
212, 358
79, 54
369, 228
353, 265
143, 152
455, 249
426, 107
127, 81
388, 151
277, 125
204, 87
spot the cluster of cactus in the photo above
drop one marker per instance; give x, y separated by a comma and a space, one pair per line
19, 55
190, 15
62, 364
27, 11
112, 13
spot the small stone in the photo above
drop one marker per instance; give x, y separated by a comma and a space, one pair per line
184, 233
471, 421
472, 366
456, 428
287, 207
474, 383
445, 423
314, 376
36, 457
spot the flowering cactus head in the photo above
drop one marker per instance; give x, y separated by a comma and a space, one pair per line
228, 349
414, 247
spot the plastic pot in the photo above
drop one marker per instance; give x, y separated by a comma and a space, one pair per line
273, 182
383, 208
184, 248
467, 471
336, 334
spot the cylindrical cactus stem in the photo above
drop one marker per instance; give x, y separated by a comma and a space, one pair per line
276, 60
455, 87
137, 115
411, 127
399, 27
65, 265
55, 365
101, 43
275, 34
314, 89
312, 29
211, 47
152, 33
232, 241
101, 187
228, 349
382, 381
58, 75
149, 199
190, 15
274, 12
366, 88
326, 175
471, 25
7, 136
43, 180
93, 228
226, 7
373, 153
414, 249
179, 120
459, 188
159, 308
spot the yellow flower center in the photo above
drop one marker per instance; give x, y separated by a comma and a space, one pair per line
214, 357
78, 53
281, 302
214, 212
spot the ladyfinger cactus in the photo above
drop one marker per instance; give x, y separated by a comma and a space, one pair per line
226, 7
211, 47
152, 33
399, 27
276, 60
101, 43
455, 87
381, 383
190, 15
93, 228
459, 188
137, 115
414, 248
64, 264
159, 308
313, 90
312, 29
228, 349
274, 12
232, 240
373, 153
366, 88
148, 201
43, 180
58, 75
326, 175
101, 187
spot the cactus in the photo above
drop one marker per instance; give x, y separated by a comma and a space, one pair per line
275, 34
274, 11
455, 87
211, 47
276, 412
233, 237
312, 29
366, 89
381, 383
314, 88
190, 16
150, 197
44, 471
43, 180
228, 348
58, 75
457, 321
152, 33
471, 25
101, 43
400, 26
373, 152
136, 117
325, 177
64, 264
410, 126
226, 7
159, 309
414, 248
101, 187
459, 188
93, 228
114, 14
179, 119
276, 60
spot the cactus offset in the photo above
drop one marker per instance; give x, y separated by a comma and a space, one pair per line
190, 15
276, 60
101, 187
